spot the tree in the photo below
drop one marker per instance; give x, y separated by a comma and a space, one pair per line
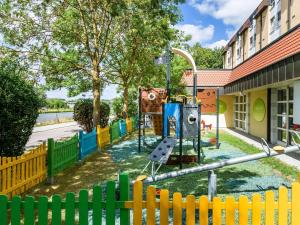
118, 104
19, 105
56, 103
65, 39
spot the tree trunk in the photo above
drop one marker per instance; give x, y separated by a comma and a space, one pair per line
96, 96
125, 100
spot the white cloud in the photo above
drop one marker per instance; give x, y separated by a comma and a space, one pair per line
217, 44
198, 32
231, 12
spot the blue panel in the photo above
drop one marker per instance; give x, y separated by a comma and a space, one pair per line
172, 110
87, 143
122, 126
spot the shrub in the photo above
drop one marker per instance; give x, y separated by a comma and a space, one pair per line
19, 104
83, 114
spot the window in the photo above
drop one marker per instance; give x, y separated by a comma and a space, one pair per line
241, 113
285, 109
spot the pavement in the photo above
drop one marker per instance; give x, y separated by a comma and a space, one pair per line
56, 131
292, 159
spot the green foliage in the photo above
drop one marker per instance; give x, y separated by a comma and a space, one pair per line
118, 104
56, 103
83, 114
19, 105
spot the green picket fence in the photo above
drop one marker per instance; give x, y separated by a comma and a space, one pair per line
114, 132
84, 210
61, 155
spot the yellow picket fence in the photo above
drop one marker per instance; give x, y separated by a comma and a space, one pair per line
103, 137
18, 174
129, 125
282, 211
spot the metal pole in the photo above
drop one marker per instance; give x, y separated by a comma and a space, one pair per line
168, 72
212, 185
199, 133
217, 127
139, 120
218, 165
163, 121
181, 134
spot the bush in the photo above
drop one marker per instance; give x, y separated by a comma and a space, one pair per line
19, 104
83, 114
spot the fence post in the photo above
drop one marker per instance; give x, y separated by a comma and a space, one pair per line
124, 196
80, 144
50, 178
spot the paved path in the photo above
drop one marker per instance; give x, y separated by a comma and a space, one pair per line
293, 159
55, 131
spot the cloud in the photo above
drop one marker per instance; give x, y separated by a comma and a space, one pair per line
231, 12
217, 44
198, 32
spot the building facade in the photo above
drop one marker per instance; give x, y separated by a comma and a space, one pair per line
260, 80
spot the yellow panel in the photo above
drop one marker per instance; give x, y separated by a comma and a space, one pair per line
203, 210
295, 203
217, 215
190, 210
230, 210
177, 209
164, 207
283, 206
269, 208
243, 210
151, 205
256, 209
137, 203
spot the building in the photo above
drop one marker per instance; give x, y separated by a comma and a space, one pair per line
260, 80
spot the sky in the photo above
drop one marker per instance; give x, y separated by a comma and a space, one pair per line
210, 22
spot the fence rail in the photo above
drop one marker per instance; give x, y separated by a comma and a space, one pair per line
61, 155
153, 209
103, 137
87, 143
18, 174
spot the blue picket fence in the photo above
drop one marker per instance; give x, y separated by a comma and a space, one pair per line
87, 143
122, 126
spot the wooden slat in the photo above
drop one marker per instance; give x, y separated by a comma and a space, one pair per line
43, 210
151, 200
56, 210
243, 210
16, 211
283, 206
269, 208
177, 208
295, 203
217, 213
203, 210
111, 199
97, 205
70, 209
190, 210
83, 207
256, 209
230, 210
164, 207
137, 202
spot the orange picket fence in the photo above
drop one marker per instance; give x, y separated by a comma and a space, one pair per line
103, 136
129, 125
18, 174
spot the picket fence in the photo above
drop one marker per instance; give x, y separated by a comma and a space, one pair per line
87, 143
114, 132
128, 126
61, 155
153, 209
103, 137
122, 127
18, 174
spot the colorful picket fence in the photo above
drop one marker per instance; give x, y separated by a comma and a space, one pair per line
87, 143
18, 174
129, 126
122, 127
114, 132
103, 137
61, 155
154, 209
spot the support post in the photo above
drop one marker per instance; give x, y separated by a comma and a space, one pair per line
168, 57
218, 119
50, 152
181, 134
199, 133
139, 119
212, 185
163, 121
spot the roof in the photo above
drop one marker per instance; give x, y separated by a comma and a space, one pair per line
282, 48
207, 78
